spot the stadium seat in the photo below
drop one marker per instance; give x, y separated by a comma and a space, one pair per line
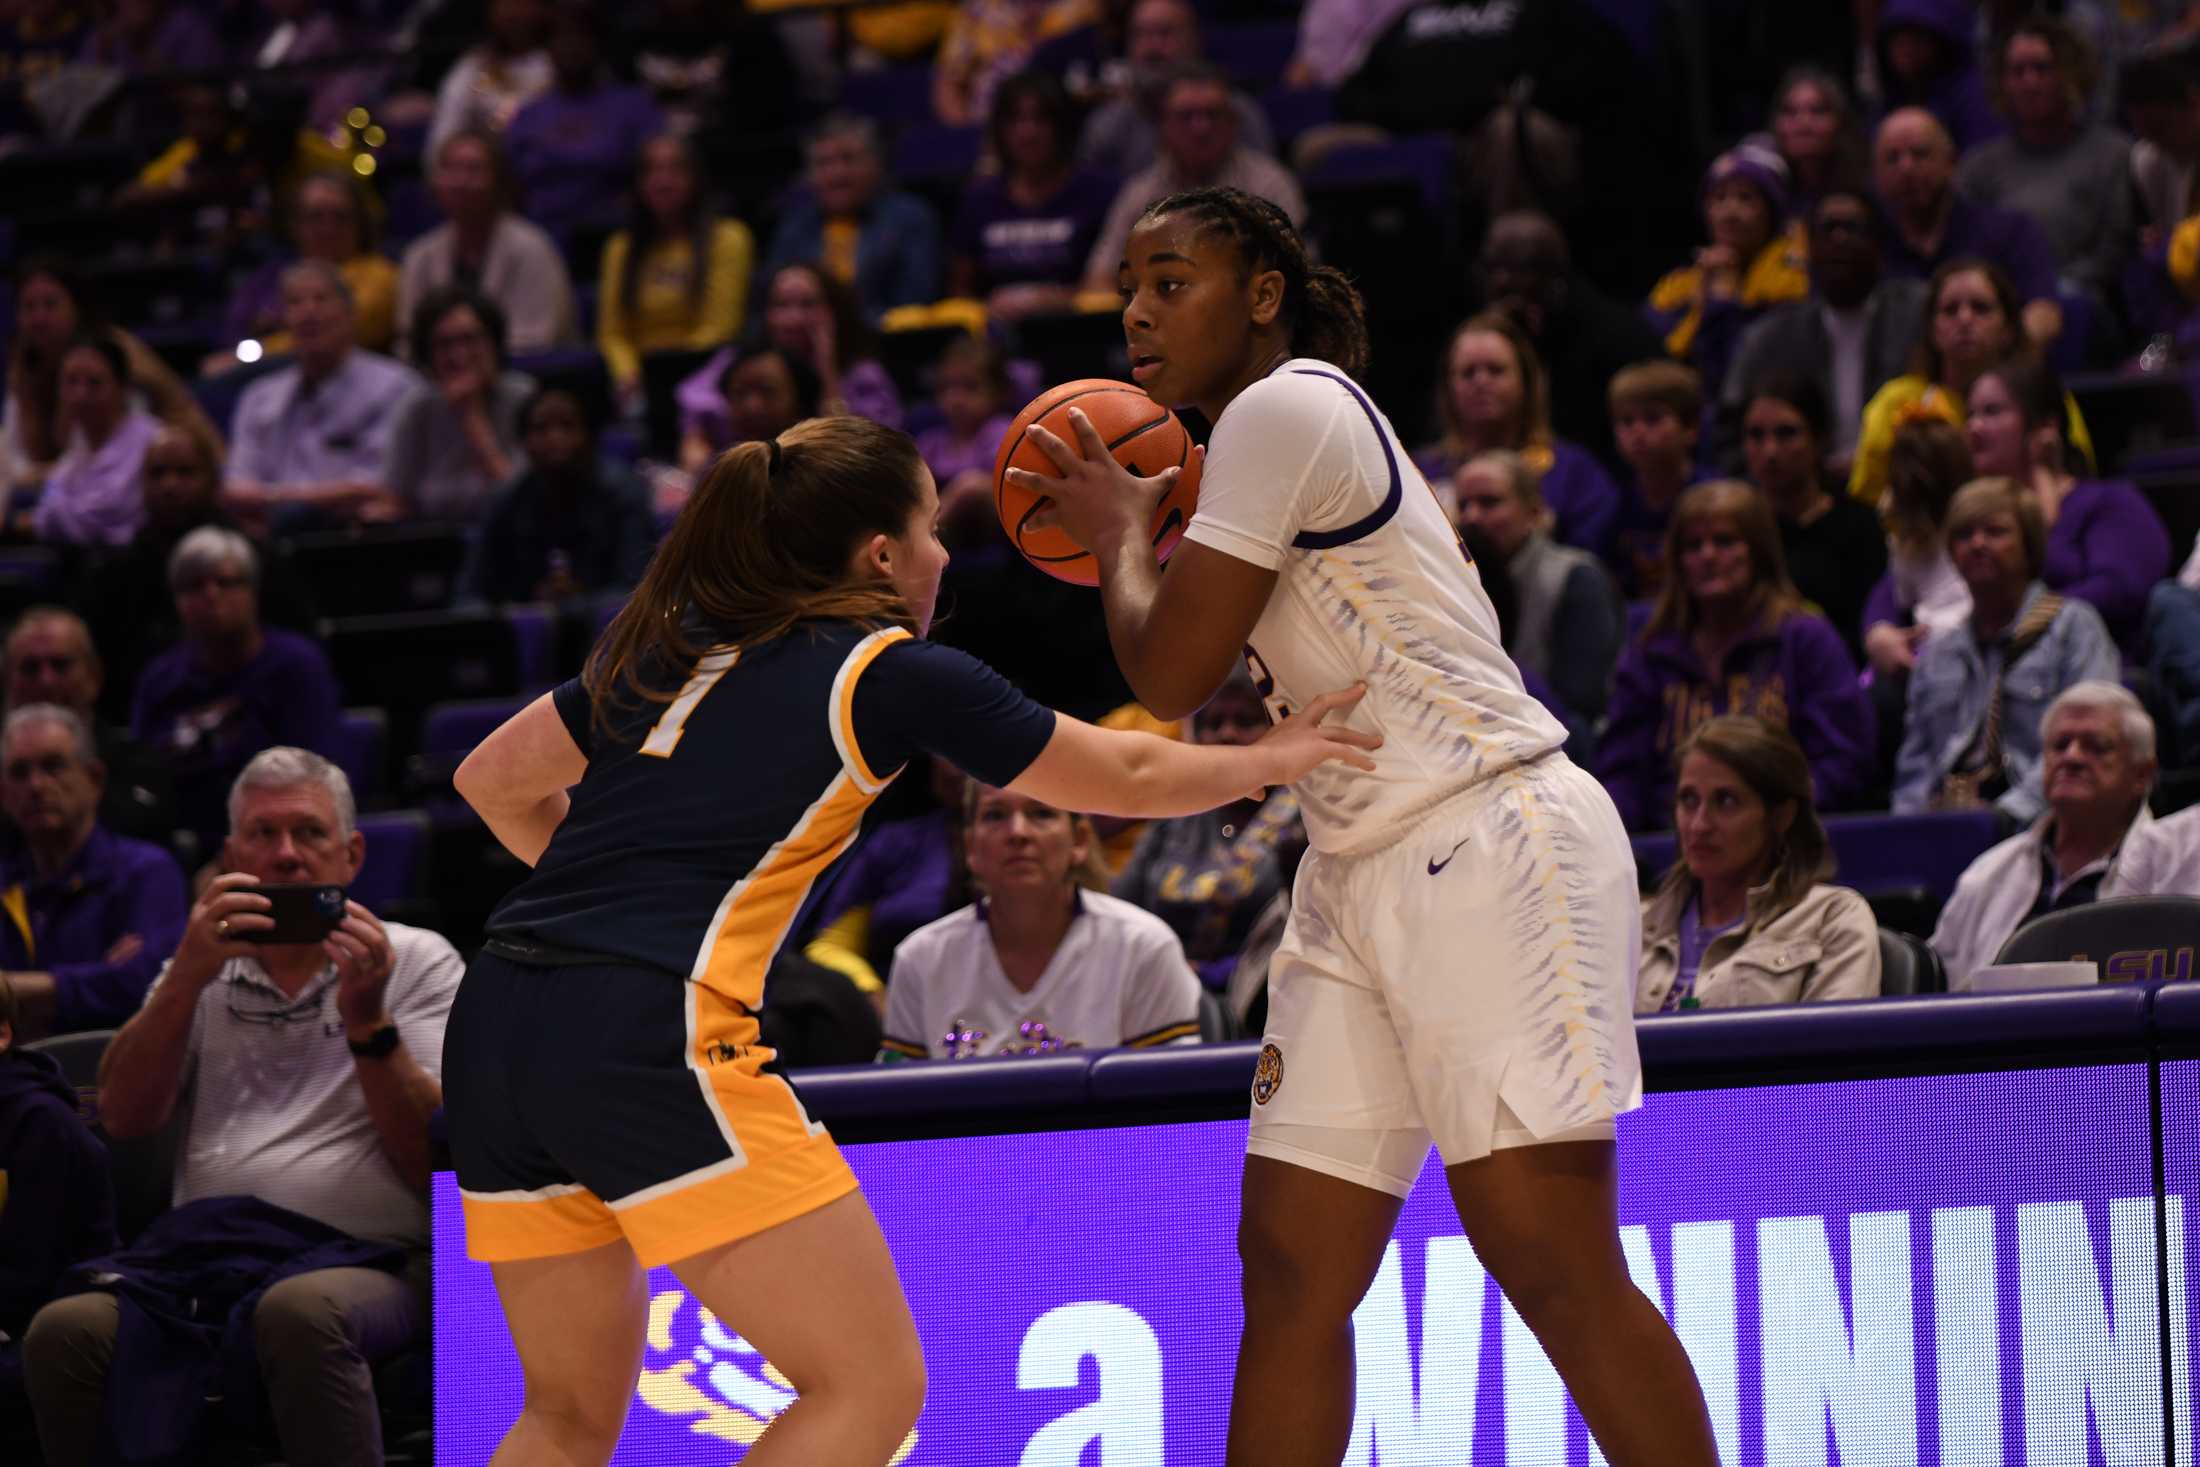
363, 739
2132, 417
448, 734
535, 641
78, 1055
1254, 53
1908, 966
395, 869
409, 662
1214, 1021
2128, 939
376, 571
1911, 909
891, 94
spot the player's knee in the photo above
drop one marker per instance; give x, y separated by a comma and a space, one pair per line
882, 1386
582, 1413
1285, 1269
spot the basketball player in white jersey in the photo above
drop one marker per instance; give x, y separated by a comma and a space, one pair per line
1459, 965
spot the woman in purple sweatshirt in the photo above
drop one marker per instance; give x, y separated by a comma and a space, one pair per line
2105, 543
1730, 634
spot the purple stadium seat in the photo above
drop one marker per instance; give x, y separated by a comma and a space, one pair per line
397, 855
890, 94
1296, 110
933, 150
1879, 852
363, 737
452, 729
1254, 53
1427, 160
535, 633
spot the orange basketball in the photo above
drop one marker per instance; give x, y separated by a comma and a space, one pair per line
1143, 436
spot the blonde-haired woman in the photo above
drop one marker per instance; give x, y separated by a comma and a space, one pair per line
1045, 960
1495, 395
1730, 634
1745, 916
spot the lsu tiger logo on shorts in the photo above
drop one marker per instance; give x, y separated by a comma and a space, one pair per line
1267, 1074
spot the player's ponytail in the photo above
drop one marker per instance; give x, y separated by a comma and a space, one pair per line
1322, 313
764, 542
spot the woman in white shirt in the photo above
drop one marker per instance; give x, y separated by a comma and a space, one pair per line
1045, 960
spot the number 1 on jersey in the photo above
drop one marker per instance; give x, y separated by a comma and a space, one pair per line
665, 737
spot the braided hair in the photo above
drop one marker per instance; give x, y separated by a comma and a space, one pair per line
1322, 315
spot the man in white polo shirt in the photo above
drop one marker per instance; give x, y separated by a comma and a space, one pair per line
1040, 964
303, 1075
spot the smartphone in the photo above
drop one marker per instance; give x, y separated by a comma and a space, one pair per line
302, 911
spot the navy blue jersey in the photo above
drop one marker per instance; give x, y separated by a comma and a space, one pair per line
702, 824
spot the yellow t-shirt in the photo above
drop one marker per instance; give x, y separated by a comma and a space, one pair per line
667, 314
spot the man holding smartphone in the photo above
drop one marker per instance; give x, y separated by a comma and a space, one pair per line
300, 1039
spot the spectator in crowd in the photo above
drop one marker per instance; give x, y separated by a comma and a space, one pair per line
1026, 229
1854, 334
1746, 916
1971, 324
2069, 176
571, 524
147, 37
232, 687
2096, 748
972, 394
330, 219
1581, 335
810, 315
508, 69
989, 40
304, 1076
2105, 543
677, 277
1834, 545
1730, 634
903, 875
766, 390
456, 439
38, 40
2173, 635
1335, 37
1925, 62
1921, 596
852, 226
2160, 96
1494, 395
572, 148
1814, 127
717, 70
1497, 584
1971, 737
1753, 263
2164, 859
1657, 410
312, 441
208, 189
125, 591
1933, 225
1209, 876
1122, 135
92, 495
51, 312
91, 915
484, 244
1037, 964
1200, 148
61, 1196
1567, 622
51, 659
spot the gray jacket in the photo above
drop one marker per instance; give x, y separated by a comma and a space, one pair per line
1948, 695
1568, 624
1792, 340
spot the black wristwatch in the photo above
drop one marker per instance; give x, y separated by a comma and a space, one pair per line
377, 1045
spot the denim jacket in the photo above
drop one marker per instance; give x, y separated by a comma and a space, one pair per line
1948, 696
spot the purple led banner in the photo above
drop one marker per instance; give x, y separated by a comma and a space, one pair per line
1949, 1271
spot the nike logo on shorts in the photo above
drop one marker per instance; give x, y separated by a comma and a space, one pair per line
1435, 868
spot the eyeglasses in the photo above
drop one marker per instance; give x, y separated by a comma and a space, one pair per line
248, 1008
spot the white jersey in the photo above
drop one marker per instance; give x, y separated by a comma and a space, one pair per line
1304, 477
1120, 977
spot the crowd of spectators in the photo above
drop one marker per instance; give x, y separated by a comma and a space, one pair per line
1808, 398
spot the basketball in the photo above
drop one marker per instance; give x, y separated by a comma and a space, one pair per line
1143, 436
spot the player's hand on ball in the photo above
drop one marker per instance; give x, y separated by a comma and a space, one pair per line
1095, 499
1302, 742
